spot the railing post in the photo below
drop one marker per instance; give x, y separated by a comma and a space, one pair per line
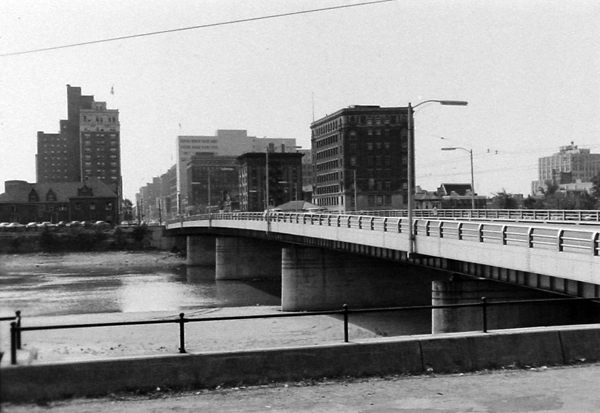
595, 243
181, 333
13, 343
480, 232
18, 318
345, 323
459, 230
559, 239
484, 313
503, 234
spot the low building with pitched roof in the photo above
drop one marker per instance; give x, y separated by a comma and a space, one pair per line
91, 200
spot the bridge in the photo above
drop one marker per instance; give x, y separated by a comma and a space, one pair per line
447, 257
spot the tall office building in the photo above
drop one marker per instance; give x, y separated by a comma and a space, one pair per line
569, 165
360, 159
223, 143
87, 146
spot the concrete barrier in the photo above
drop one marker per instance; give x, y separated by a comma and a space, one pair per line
457, 352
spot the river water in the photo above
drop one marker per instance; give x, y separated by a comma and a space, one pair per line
49, 291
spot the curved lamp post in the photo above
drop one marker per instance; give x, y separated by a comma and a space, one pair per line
472, 177
411, 164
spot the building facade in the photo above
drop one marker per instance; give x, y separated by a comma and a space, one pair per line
569, 165
91, 200
87, 146
213, 183
225, 142
360, 159
269, 179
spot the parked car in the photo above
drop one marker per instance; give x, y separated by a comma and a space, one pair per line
15, 226
101, 224
32, 225
46, 224
74, 224
61, 224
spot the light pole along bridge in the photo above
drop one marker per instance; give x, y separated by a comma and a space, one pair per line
362, 260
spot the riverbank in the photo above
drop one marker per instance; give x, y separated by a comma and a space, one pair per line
114, 259
200, 337
161, 339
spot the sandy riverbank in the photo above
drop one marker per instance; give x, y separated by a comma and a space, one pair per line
104, 342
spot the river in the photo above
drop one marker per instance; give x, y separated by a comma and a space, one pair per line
38, 284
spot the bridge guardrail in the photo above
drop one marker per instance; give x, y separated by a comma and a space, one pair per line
567, 239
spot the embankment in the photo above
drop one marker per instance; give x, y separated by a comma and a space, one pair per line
447, 353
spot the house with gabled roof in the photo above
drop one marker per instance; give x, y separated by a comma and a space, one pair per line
91, 200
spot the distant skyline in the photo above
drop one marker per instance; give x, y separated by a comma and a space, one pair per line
529, 70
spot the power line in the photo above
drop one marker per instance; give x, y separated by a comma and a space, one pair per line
204, 26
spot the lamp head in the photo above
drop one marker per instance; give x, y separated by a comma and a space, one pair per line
453, 102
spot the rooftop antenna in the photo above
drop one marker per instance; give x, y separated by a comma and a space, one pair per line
313, 106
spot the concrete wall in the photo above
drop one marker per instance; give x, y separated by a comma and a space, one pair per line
449, 353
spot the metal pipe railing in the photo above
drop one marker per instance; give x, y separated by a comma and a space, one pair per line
17, 329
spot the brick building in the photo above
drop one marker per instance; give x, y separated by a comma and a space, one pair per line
360, 159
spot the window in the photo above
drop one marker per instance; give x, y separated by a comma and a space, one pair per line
92, 206
78, 206
109, 206
370, 146
379, 200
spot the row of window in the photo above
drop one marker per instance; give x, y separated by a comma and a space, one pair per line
328, 127
378, 200
379, 160
330, 201
327, 141
328, 165
328, 153
330, 189
334, 176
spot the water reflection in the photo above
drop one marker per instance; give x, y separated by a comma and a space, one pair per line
177, 289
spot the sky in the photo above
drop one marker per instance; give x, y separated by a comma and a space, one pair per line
530, 71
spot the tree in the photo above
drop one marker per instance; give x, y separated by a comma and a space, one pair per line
127, 210
502, 200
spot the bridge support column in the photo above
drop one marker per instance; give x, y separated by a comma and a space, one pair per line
240, 258
464, 290
317, 279
200, 250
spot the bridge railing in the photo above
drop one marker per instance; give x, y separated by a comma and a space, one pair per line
575, 239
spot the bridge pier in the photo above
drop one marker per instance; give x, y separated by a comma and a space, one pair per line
465, 290
318, 279
239, 258
200, 250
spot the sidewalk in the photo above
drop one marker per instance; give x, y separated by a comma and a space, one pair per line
562, 389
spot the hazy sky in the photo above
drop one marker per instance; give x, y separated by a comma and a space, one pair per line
530, 71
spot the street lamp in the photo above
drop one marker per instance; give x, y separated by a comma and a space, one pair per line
411, 164
472, 177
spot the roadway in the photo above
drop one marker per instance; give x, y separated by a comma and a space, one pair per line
562, 389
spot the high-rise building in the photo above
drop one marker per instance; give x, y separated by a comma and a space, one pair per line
226, 142
360, 159
87, 146
569, 165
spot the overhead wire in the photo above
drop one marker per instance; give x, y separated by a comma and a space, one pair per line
202, 26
